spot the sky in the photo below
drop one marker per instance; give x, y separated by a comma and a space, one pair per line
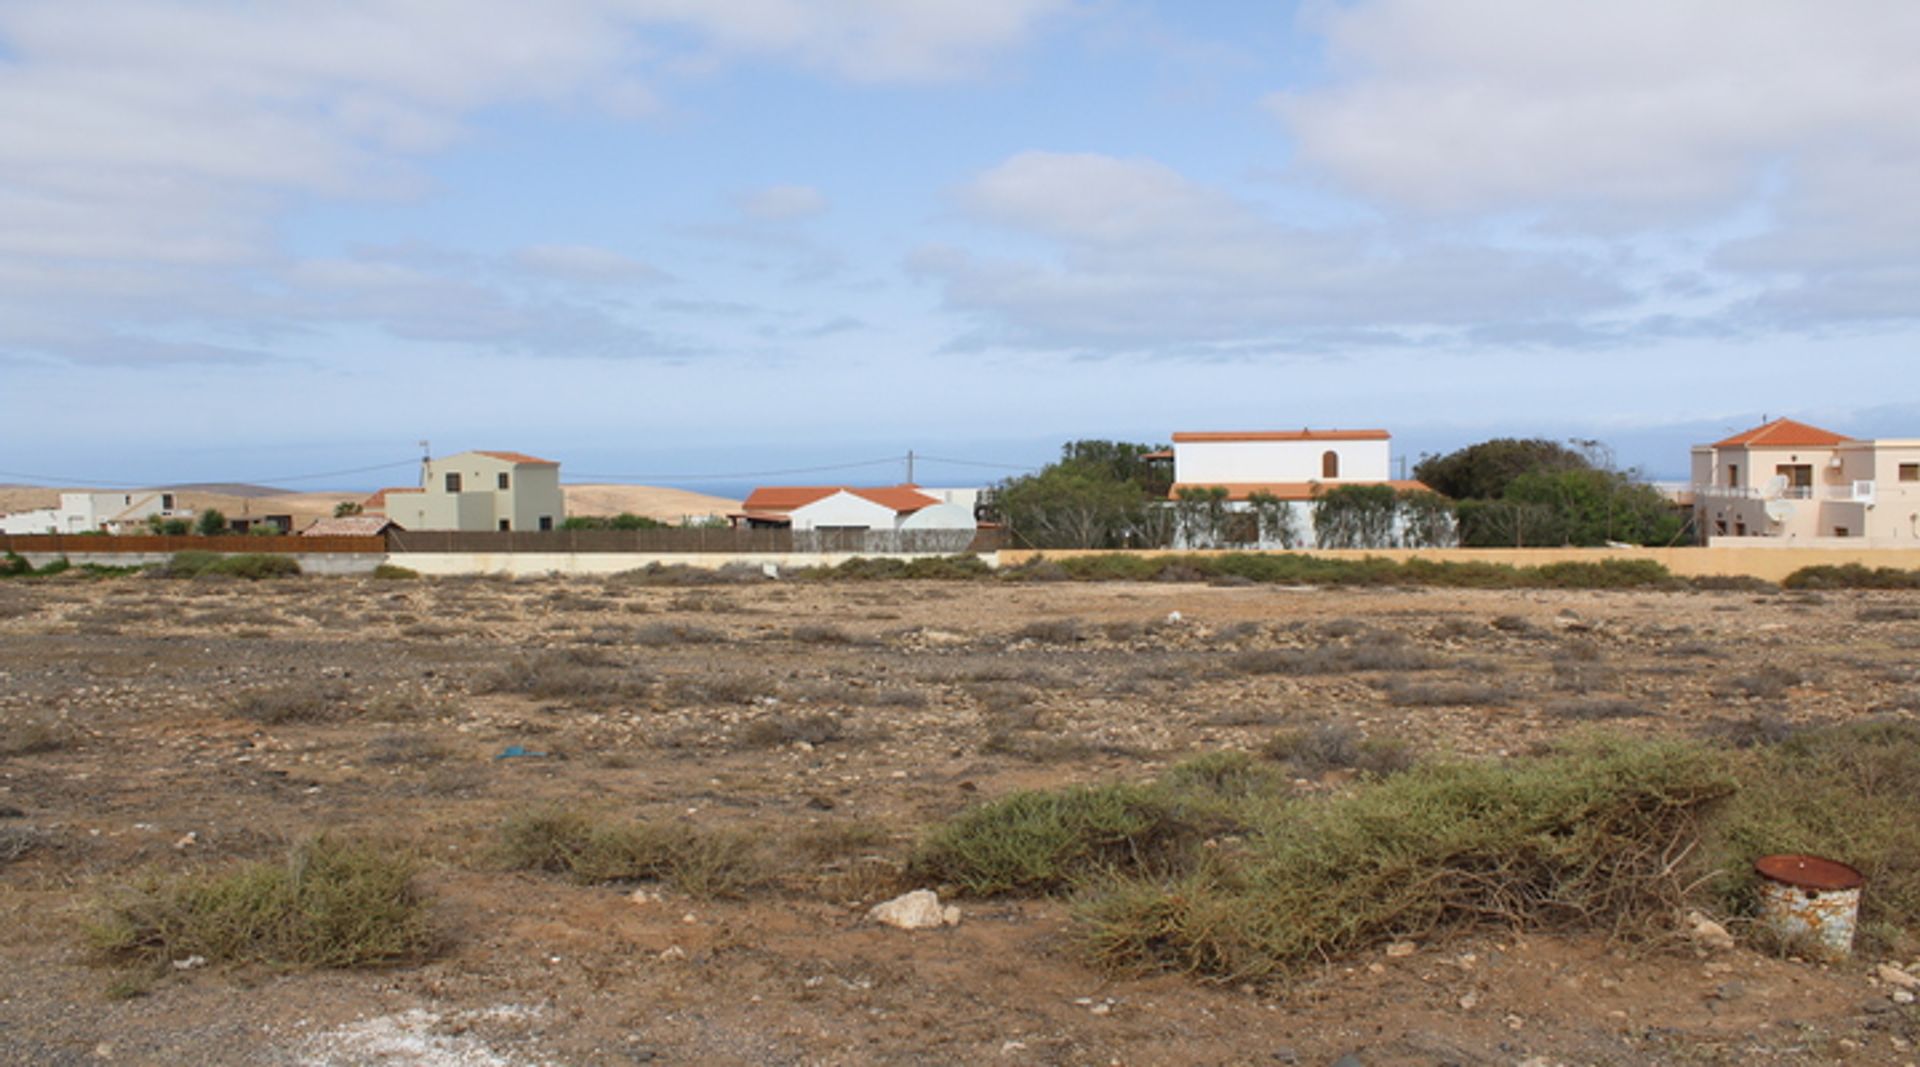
716, 242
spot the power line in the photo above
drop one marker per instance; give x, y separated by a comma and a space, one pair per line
977, 463
103, 483
889, 461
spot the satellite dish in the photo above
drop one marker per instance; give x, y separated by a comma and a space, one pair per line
1779, 510
1776, 485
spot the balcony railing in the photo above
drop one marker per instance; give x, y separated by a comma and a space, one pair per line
1859, 492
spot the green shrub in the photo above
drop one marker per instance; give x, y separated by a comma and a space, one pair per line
392, 572
14, 565
330, 903
1574, 841
254, 566
591, 849
189, 564
1851, 576
1042, 842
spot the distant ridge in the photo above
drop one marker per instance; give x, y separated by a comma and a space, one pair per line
227, 489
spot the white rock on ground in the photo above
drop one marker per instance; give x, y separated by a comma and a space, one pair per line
1708, 934
918, 910
1896, 977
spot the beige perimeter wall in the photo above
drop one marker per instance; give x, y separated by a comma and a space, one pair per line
1771, 564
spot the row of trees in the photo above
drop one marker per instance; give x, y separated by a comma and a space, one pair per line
1504, 492
209, 523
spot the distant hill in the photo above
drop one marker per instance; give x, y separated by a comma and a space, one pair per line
240, 489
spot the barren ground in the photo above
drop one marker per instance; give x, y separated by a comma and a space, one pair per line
704, 704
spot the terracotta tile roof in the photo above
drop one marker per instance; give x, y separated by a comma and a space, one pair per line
517, 457
781, 498
350, 526
1282, 435
1289, 490
1783, 433
378, 501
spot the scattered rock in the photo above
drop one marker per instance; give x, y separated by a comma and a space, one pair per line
1708, 934
1401, 949
1901, 996
1348, 1060
918, 910
1896, 977
1730, 990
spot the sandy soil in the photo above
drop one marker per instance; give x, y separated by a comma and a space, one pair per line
943, 695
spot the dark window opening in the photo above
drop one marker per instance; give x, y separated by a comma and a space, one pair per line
1330, 465
546, 521
503, 479
453, 483
1910, 472
505, 525
1841, 531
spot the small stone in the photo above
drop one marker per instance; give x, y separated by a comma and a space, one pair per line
1848, 1044
1901, 996
187, 840
644, 897
1469, 1002
1348, 1060
1101, 1008
1009, 1047
189, 963
673, 952
1896, 977
918, 910
1708, 934
1730, 990
1401, 949
1285, 1055
1515, 1022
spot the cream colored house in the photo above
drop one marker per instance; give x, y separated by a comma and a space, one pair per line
478, 491
97, 513
1788, 482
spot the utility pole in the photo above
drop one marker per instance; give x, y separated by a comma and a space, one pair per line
426, 461
909, 466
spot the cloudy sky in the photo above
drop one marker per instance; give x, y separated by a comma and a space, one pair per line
660, 238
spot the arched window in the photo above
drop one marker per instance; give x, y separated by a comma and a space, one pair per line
1330, 464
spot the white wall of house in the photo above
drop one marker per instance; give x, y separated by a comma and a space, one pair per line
1248, 459
941, 517
843, 510
87, 512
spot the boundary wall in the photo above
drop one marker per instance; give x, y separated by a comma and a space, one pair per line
1769, 563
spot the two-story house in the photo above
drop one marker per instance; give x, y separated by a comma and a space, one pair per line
1786, 480
478, 491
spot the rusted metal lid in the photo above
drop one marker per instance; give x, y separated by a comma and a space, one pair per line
1809, 872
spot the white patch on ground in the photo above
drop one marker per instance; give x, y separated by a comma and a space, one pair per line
414, 1038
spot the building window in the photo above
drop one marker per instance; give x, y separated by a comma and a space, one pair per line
503, 479
1841, 531
1798, 475
166, 501
1733, 476
1330, 464
1910, 472
546, 522
453, 482
505, 524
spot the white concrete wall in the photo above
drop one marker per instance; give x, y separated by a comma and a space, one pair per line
37, 521
1228, 462
846, 510
941, 517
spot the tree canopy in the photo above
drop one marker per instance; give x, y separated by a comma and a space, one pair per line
1484, 471
1098, 494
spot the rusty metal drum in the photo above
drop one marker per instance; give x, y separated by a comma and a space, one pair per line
1810, 900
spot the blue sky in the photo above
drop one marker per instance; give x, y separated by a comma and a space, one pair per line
719, 237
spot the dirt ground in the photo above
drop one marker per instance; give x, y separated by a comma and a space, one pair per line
839, 722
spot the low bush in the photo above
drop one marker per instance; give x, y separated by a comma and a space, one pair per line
1334, 746
1444, 694
330, 903
1296, 569
1044, 842
249, 565
1335, 659
1597, 708
927, 568
590, 848
771, 731
394, 572
32, 735
295, 703
565, 674
1578, 840
1851, 576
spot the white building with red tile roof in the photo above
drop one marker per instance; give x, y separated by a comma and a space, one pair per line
1290, 466
885, 518
1787, 482
478, 491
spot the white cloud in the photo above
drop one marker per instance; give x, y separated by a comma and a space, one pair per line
151, 134
783, 203
587, 263
1145, 259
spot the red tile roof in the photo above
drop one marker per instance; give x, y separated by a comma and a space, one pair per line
518, 457
779, 498
1282, 435
1783, 433
1289, 490
350, 526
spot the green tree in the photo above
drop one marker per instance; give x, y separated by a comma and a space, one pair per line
1099, 494
1483, 471
1355, 516
1201, 515
1426, 519
211, 523
347, 509
1275, 519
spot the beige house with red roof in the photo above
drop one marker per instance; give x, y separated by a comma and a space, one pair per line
1292, 466
478, 491
1786, 481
